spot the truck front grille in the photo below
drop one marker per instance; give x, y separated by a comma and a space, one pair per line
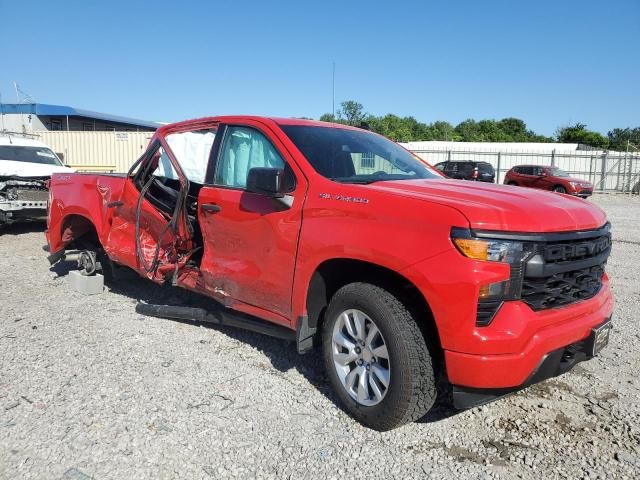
553, 269
562, 288
566, 269
32, 195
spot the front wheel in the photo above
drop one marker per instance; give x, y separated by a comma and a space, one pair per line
377, 358
559, 189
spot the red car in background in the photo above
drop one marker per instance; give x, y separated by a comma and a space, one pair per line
548, 178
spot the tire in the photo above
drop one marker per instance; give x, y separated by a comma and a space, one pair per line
512, 183
411, 389
559, 189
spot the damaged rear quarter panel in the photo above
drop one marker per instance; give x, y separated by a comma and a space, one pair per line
86, 195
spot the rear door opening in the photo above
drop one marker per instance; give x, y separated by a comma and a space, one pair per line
158, 207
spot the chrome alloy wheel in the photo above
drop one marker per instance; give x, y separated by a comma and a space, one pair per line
360, 357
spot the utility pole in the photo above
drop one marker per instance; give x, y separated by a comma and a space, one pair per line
333, 91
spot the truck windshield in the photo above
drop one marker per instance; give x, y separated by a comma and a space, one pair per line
39, 155
356, 156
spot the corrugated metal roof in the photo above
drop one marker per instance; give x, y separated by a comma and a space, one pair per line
63, 110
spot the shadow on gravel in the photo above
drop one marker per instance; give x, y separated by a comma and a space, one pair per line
24, 227
281, 354
440, 411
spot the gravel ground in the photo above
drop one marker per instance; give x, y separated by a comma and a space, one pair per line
90, 389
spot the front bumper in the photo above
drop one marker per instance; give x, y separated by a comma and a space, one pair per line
584, 192
553, 364
22, 209
530, 337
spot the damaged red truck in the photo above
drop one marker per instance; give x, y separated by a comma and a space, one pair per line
334, 236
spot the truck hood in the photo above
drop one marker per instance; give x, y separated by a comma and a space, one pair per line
502, 207
9, 168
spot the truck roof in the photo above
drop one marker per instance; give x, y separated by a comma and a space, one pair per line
235, 118
18, 141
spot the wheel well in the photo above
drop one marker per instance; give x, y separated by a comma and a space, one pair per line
559, 185
79, 232
331, 275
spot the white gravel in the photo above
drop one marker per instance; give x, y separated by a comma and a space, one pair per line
90, 389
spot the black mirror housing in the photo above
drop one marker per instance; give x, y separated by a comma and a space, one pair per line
265, 181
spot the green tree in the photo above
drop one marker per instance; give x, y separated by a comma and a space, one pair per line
407, 129
443, 131
578, 133
352, 112
392, 126
515, 129
328, 117
622, 138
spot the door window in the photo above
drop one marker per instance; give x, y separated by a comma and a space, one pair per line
466, 168
243, 149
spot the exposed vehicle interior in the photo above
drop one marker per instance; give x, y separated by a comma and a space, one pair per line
158, 181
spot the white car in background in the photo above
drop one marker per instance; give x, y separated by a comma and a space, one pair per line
25, 167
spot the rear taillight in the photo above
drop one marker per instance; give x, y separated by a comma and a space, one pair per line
475, 174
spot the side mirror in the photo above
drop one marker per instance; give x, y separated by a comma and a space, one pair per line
265, 181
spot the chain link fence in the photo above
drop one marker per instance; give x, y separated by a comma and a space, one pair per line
608, 171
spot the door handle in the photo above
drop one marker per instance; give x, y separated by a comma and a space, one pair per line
117, 203
210, 207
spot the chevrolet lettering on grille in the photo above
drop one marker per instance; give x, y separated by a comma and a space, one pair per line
570, 251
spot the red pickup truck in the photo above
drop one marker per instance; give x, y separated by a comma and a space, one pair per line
334, 236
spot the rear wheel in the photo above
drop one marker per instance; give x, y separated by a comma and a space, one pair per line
377, 358
559, 189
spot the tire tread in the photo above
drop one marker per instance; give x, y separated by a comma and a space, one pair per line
418, 381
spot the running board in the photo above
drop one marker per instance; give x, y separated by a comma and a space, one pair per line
225, 318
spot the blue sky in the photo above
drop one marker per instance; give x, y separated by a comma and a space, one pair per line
550, 63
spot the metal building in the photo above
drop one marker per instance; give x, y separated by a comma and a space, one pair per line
41, 117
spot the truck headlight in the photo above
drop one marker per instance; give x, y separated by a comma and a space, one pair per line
491, 296
486, 249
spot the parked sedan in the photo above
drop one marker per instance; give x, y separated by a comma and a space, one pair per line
468, 170
548, 178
